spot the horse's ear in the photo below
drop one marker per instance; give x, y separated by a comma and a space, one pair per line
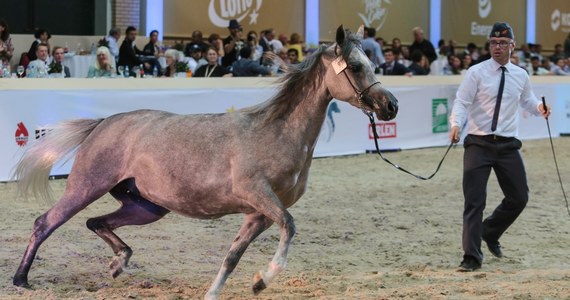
360, 32
340, 35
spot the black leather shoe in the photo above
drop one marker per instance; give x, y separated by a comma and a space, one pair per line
469, 264
494, 248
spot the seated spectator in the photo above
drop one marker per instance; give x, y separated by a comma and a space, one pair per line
129, 54
172, 56
455, 65
57, 67
466, 62
546, 63
42, 37
103, 67
535, 67
197, 39
195, 60
274, 43
216, 41
247, 67
397, 45
524, 55
558, 52
402, 56
558, 68
6, 48
293, 56
440, 66
472, 51
212, 68
274, 64
152, 48
296, 43
38, 68
112, 41
257, 49
391, 66
418, 66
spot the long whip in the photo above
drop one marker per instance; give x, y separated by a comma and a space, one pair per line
554, 155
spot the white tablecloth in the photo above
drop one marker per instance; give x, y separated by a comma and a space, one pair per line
79, 64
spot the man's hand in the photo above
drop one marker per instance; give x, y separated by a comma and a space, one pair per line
544, 111
454, 134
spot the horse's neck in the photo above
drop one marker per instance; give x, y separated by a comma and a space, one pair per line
308, 116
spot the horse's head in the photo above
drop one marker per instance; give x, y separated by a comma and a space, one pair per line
351, 78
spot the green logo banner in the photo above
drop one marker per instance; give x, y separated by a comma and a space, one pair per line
439, 115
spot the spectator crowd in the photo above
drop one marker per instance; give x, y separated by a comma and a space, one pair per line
262, 54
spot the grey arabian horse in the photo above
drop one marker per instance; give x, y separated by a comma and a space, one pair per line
254, 161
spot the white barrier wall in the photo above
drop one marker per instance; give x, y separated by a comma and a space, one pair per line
425, 103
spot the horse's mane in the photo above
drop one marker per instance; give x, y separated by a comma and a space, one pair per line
299, 81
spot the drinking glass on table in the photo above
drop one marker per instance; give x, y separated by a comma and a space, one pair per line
20, 70
120, 69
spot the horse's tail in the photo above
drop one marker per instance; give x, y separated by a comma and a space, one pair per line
33, 169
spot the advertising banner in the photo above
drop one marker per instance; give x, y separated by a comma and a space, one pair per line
552, 22
390, 18
182, 17
471, 20
26, 115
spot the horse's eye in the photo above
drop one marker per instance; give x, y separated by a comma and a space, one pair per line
356, 67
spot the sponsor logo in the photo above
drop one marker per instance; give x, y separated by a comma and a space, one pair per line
439, 115
41, 132
484, 8
21, 134
374, 14
560, 20
477, 29
384, 130
327, 131
221, 12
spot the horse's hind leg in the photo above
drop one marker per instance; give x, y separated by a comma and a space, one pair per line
134, 210
253, 225
69, 205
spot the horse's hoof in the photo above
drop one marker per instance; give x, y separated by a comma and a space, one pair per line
258, 283
21, 281
116, 267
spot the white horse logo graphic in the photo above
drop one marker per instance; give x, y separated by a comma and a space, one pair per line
233, 9
374, 12
484, 8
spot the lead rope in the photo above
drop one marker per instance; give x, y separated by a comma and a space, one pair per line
373, 124
554, 156
359, 96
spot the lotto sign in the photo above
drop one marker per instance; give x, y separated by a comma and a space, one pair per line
439, 115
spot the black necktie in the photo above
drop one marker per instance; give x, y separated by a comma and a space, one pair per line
499, 97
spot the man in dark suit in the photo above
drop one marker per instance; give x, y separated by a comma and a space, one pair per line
58, 56
391, 66
128, 53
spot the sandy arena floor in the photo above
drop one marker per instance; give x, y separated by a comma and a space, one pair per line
364, 231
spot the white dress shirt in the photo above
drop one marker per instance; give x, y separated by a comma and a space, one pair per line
477, 96
113, 46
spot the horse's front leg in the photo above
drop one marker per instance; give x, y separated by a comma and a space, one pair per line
253, 225
277, 265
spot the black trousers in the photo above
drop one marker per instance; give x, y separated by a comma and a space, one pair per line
483, 153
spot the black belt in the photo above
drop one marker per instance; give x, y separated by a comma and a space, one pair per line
495, 138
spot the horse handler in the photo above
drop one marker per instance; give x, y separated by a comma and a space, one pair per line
489, 98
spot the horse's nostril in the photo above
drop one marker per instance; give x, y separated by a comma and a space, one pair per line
392, 107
